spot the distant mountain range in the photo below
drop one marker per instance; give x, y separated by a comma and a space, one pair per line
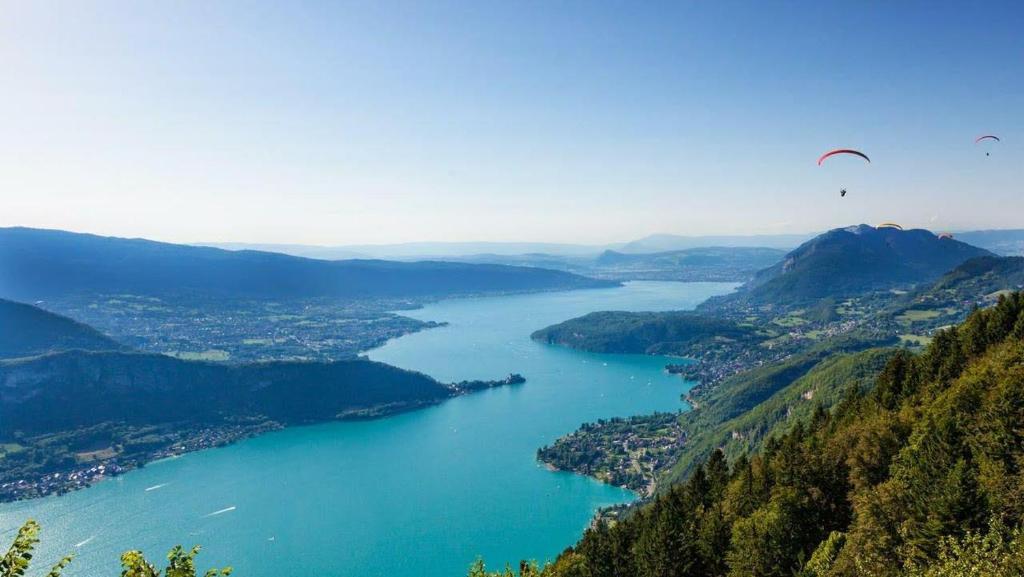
668, 242
694, 264
414, 250
421, 250
38, 264
1003, 242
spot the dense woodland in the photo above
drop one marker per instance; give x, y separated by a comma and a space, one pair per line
919, 475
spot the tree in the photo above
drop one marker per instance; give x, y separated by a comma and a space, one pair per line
179, 562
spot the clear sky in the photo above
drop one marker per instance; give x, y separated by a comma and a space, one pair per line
591, 122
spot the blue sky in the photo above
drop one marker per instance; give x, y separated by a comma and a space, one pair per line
333, 123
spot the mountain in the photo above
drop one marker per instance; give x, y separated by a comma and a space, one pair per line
27, 331
303, 250
1005, 242
415, 250
38, 264
673, 242
855, 260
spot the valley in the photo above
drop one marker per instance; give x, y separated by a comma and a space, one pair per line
232, 373
460, 476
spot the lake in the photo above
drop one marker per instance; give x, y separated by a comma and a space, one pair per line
419, 494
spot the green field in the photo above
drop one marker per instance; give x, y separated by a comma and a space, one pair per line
915, 340
918, 315
207, 355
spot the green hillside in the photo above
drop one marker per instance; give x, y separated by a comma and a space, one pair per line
820, 388
976, 283
70, 412
26, 331
80, 389
674, 332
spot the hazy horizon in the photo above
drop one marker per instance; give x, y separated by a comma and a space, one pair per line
579, 123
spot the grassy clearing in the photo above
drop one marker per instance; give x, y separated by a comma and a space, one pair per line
90, 456
207, 355
790, 321
915, 340
918, 315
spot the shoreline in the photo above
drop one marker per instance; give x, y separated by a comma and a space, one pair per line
82, 476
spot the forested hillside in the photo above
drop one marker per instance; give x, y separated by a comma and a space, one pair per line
675, 332
26, 330
739, 418
81, 389
63, 415
919, 475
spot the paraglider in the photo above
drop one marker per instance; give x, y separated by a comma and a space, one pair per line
889, 225
821, 159
842, 151
985, 137
943, 235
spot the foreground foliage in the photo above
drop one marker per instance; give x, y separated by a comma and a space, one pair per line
180, 563
919, 476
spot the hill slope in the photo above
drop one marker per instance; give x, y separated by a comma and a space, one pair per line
80, 389
37, 264
674, 332
982, 276
977, 282
26, 331
854, 260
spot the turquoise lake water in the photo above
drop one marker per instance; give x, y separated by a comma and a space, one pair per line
419, 494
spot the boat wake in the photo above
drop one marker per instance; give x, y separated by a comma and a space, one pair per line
221, 512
